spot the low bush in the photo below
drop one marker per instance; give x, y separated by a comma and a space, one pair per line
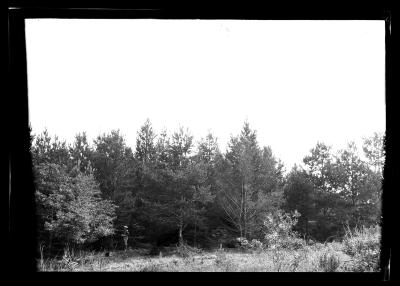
329, 262
279, 232
291, 243
363, 245
358, 252
254, 244
185, 250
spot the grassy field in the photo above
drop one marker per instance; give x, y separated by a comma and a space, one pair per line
317, 258
358, 252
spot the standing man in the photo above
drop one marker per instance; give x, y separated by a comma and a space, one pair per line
125, 236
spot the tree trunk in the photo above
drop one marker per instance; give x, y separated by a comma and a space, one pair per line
195, 231
241, 212
306, 229
51, 243
180, 235
181, 223
244, 211
114, 187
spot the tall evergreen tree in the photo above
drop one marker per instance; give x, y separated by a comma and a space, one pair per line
179, 203
209, 157
114, 166
299, 195
50, 151
108, 157
357, 187
373, 148
245, 182
81, 153
330, 208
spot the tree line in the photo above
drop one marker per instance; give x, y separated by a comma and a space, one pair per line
170, 189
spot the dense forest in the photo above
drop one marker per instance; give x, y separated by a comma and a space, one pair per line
172, 190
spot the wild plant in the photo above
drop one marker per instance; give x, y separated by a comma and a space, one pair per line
329, 262
278, 230
363, 245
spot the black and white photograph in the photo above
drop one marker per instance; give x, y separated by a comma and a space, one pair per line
207, 145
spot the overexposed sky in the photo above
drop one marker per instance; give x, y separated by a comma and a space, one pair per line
296, 82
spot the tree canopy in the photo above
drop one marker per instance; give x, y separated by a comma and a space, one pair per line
170, 189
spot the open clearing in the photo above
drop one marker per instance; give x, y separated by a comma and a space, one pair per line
316, 258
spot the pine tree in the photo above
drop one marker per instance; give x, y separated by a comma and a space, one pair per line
246, 183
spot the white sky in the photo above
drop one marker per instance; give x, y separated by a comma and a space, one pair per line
296, 82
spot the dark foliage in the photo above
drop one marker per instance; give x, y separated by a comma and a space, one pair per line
171, 192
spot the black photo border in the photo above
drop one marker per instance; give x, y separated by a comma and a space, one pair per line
22, 248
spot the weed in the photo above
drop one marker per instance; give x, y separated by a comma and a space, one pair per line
359, 251
363, 245
151, 268
224, 263
329, 262
185, 250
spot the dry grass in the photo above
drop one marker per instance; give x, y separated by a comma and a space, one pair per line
308, 259
354, 254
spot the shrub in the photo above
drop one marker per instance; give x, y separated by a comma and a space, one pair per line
329, 262
256, 244
244, 244
185, 250
311, 242
72, 208
363, 245
279, 232
292, 243
360, 240
68, 261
